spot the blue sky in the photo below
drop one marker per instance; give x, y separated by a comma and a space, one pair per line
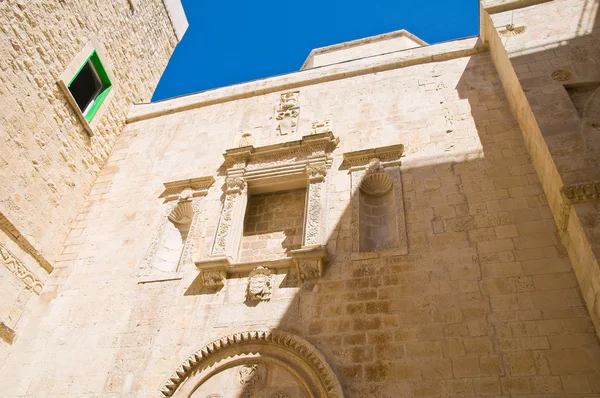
236, 41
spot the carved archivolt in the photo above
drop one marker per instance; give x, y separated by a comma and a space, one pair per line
18, 269
275, 346
289, 165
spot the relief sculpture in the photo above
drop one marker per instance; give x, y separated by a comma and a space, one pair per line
18, 269
287, 113
259, 285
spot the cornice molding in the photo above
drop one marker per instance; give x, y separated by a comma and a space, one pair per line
497, 6
388, 155
379, 63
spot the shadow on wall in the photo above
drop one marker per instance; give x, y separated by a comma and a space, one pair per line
485, 295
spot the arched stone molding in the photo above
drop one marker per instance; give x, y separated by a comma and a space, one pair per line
272, 346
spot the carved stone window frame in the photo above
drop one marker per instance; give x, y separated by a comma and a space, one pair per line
365, 162
273, 168
177, 192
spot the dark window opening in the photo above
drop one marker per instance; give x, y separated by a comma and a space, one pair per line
90, 86
86, 86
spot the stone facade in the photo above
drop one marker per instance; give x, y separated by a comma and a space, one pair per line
49, 158
488, 289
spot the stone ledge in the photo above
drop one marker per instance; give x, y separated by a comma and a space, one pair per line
310, 263
496, 6
415, 56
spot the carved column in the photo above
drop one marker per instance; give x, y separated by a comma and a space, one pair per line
231, 222
316, 193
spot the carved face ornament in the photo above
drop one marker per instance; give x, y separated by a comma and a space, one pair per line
258, 285
248, 375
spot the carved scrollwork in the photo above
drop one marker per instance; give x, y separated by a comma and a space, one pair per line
313, 225
299, 356
18, 269
220, 245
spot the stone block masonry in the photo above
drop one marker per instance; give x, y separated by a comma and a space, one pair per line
48, 161
273, 225
485, 302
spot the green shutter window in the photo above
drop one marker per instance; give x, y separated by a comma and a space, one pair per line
90, 86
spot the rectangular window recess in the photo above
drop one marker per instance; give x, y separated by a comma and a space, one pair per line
90, 86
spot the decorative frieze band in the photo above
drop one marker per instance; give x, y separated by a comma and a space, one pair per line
18, 269
584, 192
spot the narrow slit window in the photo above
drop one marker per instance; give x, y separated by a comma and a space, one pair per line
89, 86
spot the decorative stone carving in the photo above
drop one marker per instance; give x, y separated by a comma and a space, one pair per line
272, 168
321, 127
235, 184
214, 278
287, 113
310, 263
249, 375
512, 30
18, 269
295, 353
562, 75
584, 192
314, 217
259, 285
316, 171
376, 184
174, 240
375, 174
245, 140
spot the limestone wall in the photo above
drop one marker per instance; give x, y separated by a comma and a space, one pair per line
550, 74
48, 160
484, 303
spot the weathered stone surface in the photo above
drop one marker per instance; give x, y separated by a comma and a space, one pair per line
484, 300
